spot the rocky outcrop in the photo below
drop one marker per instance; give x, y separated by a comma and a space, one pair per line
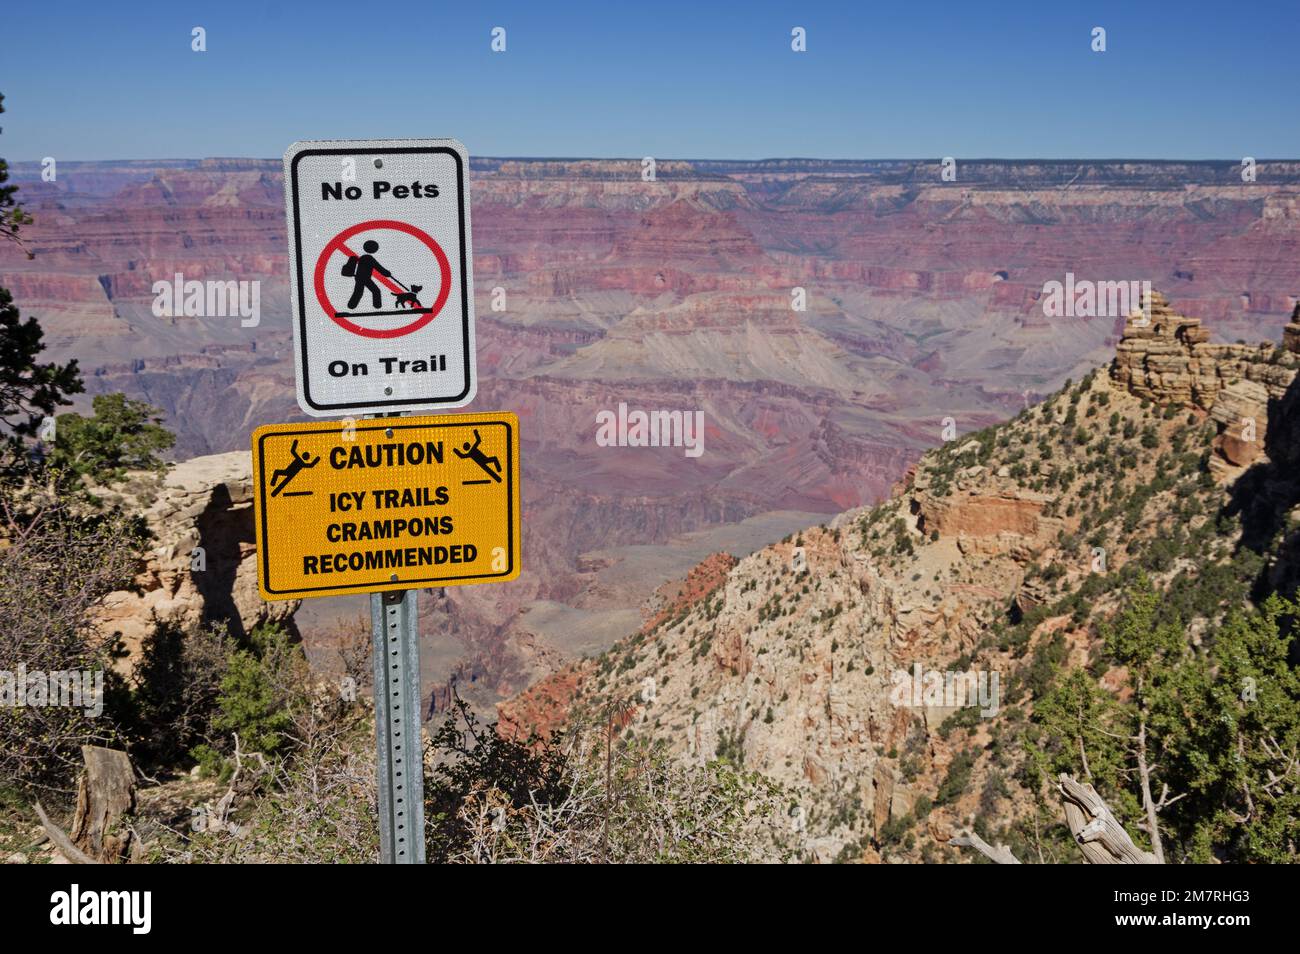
1168, 358
203, 563
1241, 411
981, 514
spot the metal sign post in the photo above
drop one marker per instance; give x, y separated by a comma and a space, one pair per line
393, 618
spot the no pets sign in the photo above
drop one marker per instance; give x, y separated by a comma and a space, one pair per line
381, 275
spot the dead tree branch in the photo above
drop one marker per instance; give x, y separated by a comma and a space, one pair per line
1001, 854
1100, 837
62, 841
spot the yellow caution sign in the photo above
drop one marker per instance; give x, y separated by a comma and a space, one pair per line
386, 503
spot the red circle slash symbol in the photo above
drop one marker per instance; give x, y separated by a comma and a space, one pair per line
338, 244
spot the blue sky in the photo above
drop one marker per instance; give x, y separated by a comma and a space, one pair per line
95, 80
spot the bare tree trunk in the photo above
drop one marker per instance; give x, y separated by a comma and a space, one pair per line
1100, 837
105, 795
1148, 803
1083, 751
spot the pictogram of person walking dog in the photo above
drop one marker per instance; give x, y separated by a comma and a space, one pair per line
362, 270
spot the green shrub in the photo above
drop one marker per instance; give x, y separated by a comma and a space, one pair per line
257, 690
957, 780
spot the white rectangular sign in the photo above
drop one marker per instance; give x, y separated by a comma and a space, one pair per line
380, 268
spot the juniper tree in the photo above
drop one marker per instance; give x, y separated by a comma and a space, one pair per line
1230, 720
122, 434
30, 391
1202, 748
1150, 648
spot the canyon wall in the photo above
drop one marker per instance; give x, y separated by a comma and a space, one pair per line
922, 304
790, 662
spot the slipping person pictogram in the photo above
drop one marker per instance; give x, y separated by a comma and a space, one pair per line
299, 464
468, 451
